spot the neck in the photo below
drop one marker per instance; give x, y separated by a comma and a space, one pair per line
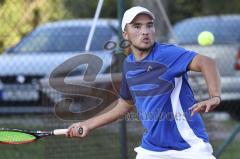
140, 54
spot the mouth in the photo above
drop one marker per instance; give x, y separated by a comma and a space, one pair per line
146, 40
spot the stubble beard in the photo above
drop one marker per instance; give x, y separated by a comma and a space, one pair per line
143, 49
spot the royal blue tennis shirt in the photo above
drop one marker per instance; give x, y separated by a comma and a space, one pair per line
160, 91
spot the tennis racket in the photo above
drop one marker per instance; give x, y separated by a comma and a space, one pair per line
20, 136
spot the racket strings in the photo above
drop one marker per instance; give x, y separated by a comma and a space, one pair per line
15, 137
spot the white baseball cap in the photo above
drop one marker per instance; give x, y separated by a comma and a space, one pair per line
131, 13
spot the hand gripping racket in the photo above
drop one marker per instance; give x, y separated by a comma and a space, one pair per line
20, 136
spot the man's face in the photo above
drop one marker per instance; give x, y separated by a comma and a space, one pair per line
140, 32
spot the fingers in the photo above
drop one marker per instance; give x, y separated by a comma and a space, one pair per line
208, 108
70, 131
75, 130
204, 106
199, 107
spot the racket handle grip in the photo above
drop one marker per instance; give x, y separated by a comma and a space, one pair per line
80, 131
60, 131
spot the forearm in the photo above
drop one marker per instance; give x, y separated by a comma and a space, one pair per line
210, 72
212, 77
110, 116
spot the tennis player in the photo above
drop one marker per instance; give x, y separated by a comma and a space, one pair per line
155, 82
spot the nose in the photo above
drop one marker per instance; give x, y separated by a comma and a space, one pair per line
145, 30
145, 33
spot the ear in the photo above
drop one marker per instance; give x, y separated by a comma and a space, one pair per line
125, 35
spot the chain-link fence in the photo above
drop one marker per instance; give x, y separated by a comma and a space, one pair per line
42, 42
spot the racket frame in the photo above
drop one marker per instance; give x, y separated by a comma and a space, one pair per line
36, 133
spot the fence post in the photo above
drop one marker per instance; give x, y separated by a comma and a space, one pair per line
123, 128
227, 141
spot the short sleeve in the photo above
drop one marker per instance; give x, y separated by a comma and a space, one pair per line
178, 58
124, 89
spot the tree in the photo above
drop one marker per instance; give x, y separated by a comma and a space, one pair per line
181, 9
83, 8
19, 17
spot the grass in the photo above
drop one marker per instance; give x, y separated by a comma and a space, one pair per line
231, 152
103, 143
98, 145
27, 151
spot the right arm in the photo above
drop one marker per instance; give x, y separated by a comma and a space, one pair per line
122, 108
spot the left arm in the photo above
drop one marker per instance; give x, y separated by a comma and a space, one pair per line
210, 72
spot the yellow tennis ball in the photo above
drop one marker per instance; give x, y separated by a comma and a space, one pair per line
205, 38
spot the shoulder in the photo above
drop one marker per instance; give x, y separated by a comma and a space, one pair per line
126, 62
169, 47
166, 51
128, 59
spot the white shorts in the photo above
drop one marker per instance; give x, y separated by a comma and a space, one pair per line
203, 152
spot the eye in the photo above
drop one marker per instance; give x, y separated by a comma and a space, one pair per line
136, 26
150, 25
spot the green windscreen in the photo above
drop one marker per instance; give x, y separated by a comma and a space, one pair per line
15, 137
